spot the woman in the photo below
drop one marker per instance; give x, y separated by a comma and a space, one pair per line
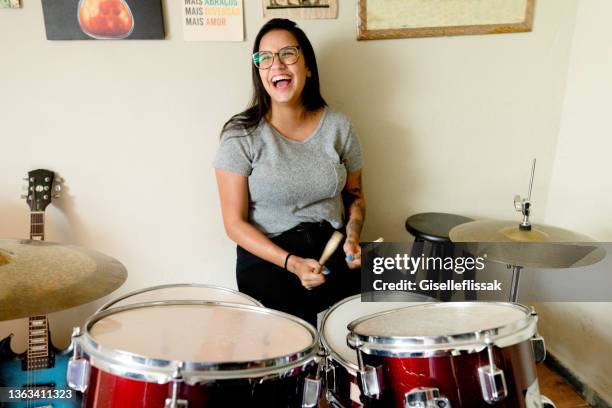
289, 173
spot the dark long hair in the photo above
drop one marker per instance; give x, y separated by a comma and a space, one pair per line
260, 101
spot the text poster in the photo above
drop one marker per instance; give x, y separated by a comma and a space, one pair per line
213, 20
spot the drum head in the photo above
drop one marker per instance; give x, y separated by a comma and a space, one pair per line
334, 327
221, 340
445, 325
182, 291
207, 333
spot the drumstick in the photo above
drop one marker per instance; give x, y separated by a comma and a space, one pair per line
331, 247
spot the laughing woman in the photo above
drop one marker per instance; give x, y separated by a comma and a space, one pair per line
289, 173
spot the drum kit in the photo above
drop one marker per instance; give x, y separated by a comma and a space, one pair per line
188, 345
191, 345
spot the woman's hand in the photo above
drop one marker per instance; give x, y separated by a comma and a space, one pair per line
307, 270
352, 249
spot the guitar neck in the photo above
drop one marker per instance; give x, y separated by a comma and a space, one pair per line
37, 225
38, 343
38, 326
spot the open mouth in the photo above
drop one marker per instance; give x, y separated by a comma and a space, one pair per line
281, 81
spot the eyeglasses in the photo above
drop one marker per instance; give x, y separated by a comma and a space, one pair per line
287, 55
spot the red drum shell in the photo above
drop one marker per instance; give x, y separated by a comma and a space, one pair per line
133, 351
443, 345
457, 377
111, 391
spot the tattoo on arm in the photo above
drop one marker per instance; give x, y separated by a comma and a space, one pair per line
353, 228
355, 209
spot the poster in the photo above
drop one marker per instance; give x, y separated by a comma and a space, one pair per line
296, 9
213, 20
381, 19
103, 19
9, 4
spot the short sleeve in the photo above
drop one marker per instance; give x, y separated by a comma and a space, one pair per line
351, 153
234, 155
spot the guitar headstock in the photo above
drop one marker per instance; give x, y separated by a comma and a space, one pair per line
42, 187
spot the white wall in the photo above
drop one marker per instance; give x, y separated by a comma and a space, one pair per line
447, 124
580, 197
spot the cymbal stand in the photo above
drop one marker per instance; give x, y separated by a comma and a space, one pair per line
524, 206
516, 276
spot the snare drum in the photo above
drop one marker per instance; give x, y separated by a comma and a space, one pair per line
459, 355
182, 291
342, 368
195, 354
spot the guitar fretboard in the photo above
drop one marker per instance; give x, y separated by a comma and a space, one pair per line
38, 334
38, 343
37, 226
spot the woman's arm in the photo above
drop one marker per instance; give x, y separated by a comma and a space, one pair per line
354, 202
234, 195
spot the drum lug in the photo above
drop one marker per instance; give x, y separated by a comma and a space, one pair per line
371, 383
78, 371
179, 403
492, 383
330, 377
312, 392
539, 348
492, 379
174, 401
424, 397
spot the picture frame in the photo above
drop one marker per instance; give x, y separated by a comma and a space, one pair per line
10, 4
384, 19
300, 9
67, 20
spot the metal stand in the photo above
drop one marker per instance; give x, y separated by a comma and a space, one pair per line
516, 277
522, 205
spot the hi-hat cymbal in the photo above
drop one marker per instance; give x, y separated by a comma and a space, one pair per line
40, 277
543, 246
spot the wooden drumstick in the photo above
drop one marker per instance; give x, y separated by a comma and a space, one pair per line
331, 247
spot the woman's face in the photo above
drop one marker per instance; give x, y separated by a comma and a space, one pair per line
284, 83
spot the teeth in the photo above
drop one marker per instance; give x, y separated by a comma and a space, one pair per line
277, 78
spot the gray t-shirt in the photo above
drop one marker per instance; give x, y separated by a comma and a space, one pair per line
290, 181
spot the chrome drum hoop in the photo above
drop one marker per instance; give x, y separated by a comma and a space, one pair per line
110, 303
130, 365
430, 346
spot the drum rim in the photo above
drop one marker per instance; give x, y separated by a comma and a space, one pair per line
135, 366
111, 302
429, 346
329, 351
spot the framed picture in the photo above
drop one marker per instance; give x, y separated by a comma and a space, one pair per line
103, 19
383, 19
295, 9
9, 4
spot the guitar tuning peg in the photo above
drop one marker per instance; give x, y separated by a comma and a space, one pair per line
24, 188
26, 179
57, 188
24, 196
56, 196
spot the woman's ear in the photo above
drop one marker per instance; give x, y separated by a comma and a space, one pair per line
308, 74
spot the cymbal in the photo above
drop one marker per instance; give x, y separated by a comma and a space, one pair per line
508, 231
543, 246
40, 277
